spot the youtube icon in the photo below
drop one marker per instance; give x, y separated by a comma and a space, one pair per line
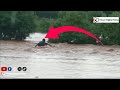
3, 68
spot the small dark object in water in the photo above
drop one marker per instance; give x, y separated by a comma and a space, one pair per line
43, 43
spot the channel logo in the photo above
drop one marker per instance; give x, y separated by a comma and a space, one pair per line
105, 19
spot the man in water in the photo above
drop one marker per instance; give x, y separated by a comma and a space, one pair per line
43, 43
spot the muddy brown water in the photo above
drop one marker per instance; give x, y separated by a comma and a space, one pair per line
62, 61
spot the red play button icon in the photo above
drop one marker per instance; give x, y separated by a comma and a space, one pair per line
3, 68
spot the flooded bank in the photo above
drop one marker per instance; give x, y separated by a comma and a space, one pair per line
62, 61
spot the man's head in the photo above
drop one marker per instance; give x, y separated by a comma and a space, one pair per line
43, 40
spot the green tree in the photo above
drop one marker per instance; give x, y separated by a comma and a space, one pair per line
43, 24
83, 19
5, 24
16, 24
24, 24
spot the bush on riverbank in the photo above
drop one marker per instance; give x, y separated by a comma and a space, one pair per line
16, 24
109, 34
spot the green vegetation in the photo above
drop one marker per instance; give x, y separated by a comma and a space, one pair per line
18, 25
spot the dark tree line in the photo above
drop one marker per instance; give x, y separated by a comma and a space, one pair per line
109, 33
16, 24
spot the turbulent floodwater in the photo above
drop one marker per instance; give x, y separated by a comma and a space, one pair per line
62, 61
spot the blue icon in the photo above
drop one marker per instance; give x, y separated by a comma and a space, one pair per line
9, 69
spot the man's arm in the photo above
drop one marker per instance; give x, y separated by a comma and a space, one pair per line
49, 44
36, 45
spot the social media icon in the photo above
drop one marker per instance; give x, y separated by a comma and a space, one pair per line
3, 68
9, 68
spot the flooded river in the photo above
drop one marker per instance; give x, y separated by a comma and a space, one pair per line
62, 61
